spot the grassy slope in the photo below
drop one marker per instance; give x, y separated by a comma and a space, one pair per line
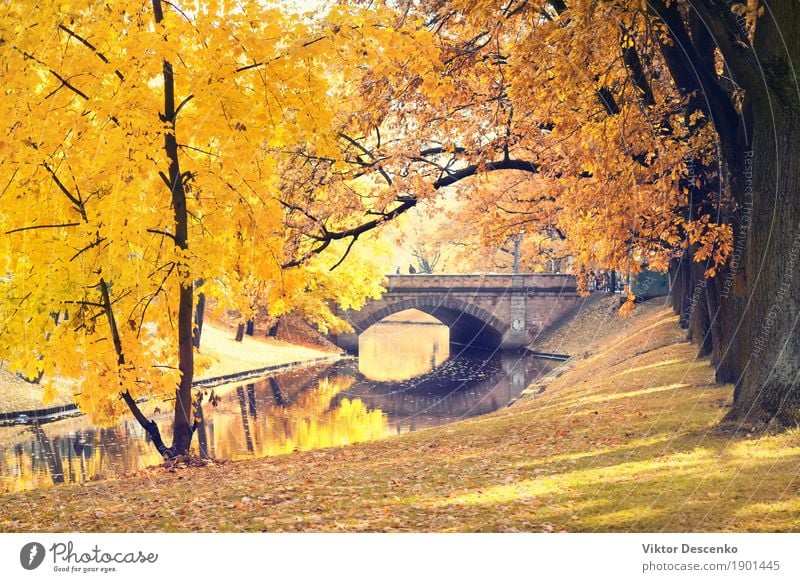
218, 346
229, 356
17, 395
623, 441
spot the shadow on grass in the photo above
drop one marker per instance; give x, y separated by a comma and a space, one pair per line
692, 482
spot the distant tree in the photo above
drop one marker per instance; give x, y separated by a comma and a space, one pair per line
426, 261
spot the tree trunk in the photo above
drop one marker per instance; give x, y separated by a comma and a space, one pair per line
199, 316
682, 290
699, 321
770, 385
689, 295
250, 329
771, 352
723, 310
239, 332
676, 286
182, 424
148, 425
202, 435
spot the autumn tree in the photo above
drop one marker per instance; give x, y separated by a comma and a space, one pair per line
661, 144
469, 229
143, 145
497, 110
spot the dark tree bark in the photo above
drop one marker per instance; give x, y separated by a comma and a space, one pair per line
771, 354
202, 435
682, 289
250, 328
690, 60
239, 332
676, 286
182, 424
768, 342
723, 313
699, 330
199, 317
149, 426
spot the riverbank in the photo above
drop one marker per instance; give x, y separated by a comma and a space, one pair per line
228, 360
624, 440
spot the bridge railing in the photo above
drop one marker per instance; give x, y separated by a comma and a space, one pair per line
534, 282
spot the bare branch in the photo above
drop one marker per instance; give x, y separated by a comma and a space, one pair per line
181, 104
34, 227
346, 252
99, 241
161, 232
75, 200
364, 150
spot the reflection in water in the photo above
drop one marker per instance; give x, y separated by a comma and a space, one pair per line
245, 423
313, 407
469, 384
70, 451
403, 346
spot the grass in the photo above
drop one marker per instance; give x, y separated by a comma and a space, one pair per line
19, 395
218, 348
625, 440
227, 356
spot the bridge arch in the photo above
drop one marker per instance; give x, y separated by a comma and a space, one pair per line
468, 323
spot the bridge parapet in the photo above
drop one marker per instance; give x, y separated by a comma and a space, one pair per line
532, 283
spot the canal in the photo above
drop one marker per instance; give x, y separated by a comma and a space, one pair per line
407, 376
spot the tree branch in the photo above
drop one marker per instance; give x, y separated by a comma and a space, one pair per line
355, 232
161, 232
91, 47
97, 242
454, 176
364, 150
12, 231
181, 104
346, 252
686, 68
75, 200
733, 43
149, 425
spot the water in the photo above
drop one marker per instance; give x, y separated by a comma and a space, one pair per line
408, 377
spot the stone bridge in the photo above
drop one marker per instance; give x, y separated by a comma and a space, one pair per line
505, 311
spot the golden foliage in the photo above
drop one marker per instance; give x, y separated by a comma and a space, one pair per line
87, 206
